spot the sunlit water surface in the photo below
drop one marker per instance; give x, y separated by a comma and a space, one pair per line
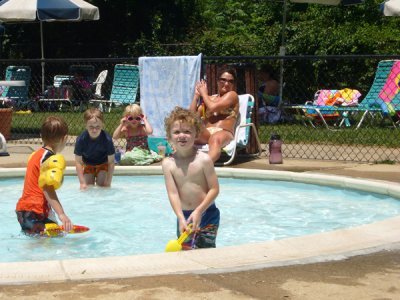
135, 217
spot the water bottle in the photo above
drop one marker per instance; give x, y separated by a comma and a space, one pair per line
117, 156
275, 149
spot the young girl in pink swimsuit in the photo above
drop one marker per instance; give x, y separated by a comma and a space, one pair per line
134, 127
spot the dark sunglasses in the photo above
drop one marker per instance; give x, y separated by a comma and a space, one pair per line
224, 80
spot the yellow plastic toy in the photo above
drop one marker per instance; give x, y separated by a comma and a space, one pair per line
23, 112
55, 230
176, 245
52, 171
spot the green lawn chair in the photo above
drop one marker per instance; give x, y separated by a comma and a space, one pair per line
18, 94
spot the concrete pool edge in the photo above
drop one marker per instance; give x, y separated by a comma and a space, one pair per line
333, 245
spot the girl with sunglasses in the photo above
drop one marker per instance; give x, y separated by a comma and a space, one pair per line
134, 127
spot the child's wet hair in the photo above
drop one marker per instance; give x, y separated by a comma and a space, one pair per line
185, 116
133, 110
93, 113
53, 130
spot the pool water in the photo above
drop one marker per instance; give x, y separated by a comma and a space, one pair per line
134, 216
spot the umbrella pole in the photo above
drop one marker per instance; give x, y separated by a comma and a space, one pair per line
42, 52
282, 52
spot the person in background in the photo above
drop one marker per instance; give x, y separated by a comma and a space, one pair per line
268, 92
81, 90
134, 127
94, 152
268, 95
44, 174
219, 112
191, 182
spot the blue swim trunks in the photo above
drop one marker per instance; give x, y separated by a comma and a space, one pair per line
206, 236
32, 224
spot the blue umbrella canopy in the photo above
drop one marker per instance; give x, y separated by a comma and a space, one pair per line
15, 11
47, 10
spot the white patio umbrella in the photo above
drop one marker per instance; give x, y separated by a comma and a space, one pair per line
15, 11
391, 8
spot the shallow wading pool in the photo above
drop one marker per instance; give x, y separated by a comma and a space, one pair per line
134, 216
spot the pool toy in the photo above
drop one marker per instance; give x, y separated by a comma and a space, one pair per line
54, 230
52, 171
23, 112
176, 245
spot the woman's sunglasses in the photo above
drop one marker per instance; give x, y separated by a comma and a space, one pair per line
224, 80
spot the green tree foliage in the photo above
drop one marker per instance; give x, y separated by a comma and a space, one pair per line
358, 29
233, 28
212, 27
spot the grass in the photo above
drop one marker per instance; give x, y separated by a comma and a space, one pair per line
367, 136
29, 124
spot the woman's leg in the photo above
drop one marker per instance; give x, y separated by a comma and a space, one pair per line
216, 142
203, 137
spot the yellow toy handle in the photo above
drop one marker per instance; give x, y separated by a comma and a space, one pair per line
185, 234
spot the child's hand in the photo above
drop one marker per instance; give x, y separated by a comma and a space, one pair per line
195, 218
83, 186
182, 225
123, 121
66, 222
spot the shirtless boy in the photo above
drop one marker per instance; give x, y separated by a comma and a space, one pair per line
191, 182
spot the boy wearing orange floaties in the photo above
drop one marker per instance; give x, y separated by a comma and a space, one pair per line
44, 174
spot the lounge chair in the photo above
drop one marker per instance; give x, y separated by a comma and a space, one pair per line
124, 88
381, 93
87, 71
98, 84
59, 95
242, 133
17, 94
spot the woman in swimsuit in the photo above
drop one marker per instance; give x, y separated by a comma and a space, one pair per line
219, 112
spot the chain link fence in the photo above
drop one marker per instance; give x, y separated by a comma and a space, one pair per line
376, 140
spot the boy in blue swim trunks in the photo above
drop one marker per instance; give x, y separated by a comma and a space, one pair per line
94, 152
191, 182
